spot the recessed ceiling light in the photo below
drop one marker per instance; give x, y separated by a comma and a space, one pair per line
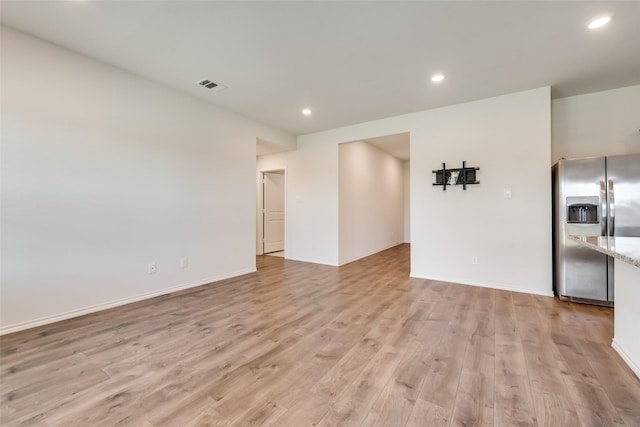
306, 112
599, 22
437, 78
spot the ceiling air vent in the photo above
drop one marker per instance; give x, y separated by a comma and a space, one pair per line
211, 85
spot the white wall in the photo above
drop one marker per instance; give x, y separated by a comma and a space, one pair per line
406, 178
103, 172
627, 313
311, 217
597, 124
508, 137
370, 201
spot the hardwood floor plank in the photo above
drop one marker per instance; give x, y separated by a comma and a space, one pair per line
505, 317
513, 402
480, 356
395, 403
509, 354
428, 414
440, 383
592, 404
353, 405
622, 387
307, 411
347, 369
20, 401
554, 410
474, 400
392, 408
543, 369
299, 344
192, 410
513, 399
571, 360
265, 414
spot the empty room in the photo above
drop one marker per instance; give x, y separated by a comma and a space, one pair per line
319, 213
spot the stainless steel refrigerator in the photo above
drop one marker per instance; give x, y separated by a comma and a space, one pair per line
597, 196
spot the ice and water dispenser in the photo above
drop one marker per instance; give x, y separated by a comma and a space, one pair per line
582, 210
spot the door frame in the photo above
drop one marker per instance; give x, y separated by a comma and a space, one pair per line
260, 209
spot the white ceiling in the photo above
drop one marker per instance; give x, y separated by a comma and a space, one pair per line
396, 145
348, 61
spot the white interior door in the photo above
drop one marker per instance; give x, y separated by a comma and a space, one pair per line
273, 211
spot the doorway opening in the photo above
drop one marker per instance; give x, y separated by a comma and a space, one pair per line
271, 213
374, 196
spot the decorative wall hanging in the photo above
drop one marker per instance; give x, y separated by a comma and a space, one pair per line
457, 176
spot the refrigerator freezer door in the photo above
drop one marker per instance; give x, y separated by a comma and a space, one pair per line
623, 188
581, 272
623, 202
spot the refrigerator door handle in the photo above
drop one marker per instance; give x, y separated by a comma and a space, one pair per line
612, 215
603, 208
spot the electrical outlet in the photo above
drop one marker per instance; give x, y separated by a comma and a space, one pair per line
153, 268
184, 262
474, 260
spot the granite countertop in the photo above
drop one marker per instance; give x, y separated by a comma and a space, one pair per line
625, 249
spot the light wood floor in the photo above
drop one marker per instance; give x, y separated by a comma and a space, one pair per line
301, 344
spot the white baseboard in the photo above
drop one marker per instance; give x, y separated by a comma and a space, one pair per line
312, 261
393, 245
334, 264
485, 285
635, 368
104, 306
